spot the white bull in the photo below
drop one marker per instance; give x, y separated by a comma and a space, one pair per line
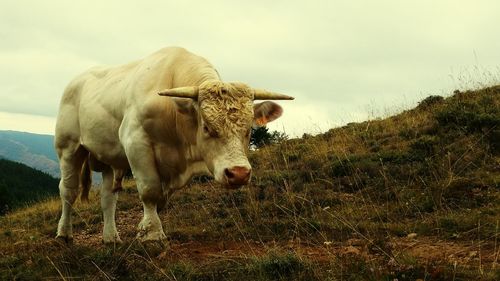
115, 118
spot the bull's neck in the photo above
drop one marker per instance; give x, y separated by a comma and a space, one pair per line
207, 74
186, 129
193, 154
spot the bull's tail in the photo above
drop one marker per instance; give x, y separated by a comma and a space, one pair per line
85, 179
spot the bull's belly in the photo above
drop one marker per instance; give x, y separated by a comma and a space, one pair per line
99, 133
107, 153
104, 144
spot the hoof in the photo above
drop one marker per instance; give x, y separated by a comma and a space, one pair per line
112, 240
65, 239
110, 236
156, 236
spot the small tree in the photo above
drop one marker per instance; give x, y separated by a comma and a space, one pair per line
261, 137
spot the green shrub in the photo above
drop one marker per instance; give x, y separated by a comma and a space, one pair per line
280, 267
430, 101
424, 146
182, 271
469, 115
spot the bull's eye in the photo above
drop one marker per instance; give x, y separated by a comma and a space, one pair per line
210, 132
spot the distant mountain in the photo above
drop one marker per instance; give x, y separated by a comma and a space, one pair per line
20, 184
34, 150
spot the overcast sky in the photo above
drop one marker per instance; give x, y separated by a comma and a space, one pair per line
344, 61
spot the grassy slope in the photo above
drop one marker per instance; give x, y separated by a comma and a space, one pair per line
412, 196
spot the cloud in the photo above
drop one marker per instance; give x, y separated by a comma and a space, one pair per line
33, 80
334, 56
27, 123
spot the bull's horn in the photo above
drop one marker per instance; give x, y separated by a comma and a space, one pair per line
266, 95
181, 92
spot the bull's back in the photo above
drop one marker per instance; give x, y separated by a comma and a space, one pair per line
96, 102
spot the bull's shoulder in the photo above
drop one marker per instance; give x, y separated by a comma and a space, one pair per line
96, 72
178, 57
172, 50
82, 78
159, 118
152, 106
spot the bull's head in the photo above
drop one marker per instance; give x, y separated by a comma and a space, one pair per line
225, 114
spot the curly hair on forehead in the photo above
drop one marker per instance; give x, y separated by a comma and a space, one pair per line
226, 107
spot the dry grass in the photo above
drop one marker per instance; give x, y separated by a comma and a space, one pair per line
413, 196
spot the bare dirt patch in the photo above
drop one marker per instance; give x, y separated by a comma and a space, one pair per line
424, 249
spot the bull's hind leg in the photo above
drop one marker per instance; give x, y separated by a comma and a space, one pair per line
117, 180
71, 158
108, 205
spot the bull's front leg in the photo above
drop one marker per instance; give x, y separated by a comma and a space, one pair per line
142, 163
150, 227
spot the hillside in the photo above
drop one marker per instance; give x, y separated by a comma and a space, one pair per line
21, 185
34, 150
413, 196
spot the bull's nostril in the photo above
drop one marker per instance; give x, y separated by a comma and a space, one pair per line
228, 173
237, 175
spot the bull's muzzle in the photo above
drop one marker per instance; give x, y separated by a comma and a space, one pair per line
237, 176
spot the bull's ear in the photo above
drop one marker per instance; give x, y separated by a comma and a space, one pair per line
184, 106
266, 112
